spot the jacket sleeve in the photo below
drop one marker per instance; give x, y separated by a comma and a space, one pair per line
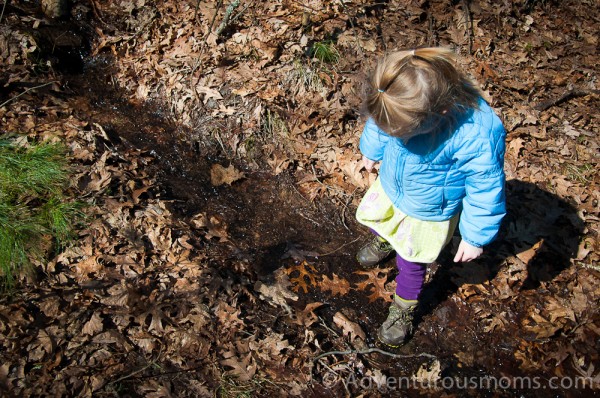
373, 141
484, 204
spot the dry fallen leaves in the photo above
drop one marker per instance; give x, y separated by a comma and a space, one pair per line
306, 272
337, 286
349, 328
220, 175
376, 284
307, 316
429, 374
214, 226
278, 292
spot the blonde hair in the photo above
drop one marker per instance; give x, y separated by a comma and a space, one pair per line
418, 91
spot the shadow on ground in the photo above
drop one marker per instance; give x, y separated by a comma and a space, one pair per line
540, 229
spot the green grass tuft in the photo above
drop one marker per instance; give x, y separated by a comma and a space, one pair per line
325, 52
34, 209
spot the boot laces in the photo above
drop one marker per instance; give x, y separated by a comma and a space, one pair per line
400, 316
383, 245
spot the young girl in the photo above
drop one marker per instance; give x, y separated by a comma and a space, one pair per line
441, 149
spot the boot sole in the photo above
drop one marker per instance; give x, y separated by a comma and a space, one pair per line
397, 345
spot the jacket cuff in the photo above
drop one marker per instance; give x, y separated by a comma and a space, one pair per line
474, 244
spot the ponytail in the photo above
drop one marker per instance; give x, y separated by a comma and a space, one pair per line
411, 89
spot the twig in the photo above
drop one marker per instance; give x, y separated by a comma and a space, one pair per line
300, 194
26, 91
325, 185
431, 36
565, 97
232, 6
240, 13
343, 216
97, 12
3, 8
212, 22
591, 266
308, 218
202, 48
324, 324
371, 350
339, 248
354, 29
132, 374
196, 10
469, 21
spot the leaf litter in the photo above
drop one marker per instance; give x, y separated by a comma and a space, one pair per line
193, 279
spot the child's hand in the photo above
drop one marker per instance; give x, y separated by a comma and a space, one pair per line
368, 163
467, 252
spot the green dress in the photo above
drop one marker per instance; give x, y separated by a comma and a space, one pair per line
414, 240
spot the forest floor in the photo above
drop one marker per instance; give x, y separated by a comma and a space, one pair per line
218, 157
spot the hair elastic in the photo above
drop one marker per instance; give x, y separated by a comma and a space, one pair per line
412, 52
380, 90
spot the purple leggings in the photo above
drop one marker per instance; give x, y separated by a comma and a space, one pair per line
410, 278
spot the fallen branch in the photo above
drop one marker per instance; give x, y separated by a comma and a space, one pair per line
565, 97
26, 91
230, 8
196, 10
377, 350
212, 21
233, 19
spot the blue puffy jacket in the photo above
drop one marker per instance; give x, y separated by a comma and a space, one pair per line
434, 177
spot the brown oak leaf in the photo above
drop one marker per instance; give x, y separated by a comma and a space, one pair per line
220, 175
216, 228
348, 327
94, 325
242, 367
376, 284
305, 270
527, 255
337, 286
307, 316
278, 292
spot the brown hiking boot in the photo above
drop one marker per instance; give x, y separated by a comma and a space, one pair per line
373, 252
398, 326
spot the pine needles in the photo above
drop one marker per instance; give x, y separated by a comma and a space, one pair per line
35, 216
